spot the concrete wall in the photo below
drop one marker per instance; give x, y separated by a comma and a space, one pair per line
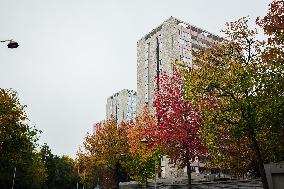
157, 52
275, 175
121, 106
174, 40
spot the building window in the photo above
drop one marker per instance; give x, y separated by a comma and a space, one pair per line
173, 41
146, 71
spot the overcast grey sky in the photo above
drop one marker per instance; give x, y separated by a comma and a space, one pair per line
73, 54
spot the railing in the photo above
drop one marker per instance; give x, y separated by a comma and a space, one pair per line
241, 184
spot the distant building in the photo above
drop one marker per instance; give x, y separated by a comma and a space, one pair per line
121, 106
174, 40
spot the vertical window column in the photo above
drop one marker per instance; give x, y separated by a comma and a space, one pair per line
158, 59
146, 73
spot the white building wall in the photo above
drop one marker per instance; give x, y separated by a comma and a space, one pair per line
174, 40
121, 106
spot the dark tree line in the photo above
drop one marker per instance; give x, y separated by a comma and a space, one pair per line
22, 165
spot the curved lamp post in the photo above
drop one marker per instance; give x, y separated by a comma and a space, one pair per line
12, 44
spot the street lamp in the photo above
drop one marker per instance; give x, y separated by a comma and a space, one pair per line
12, 44
144, 141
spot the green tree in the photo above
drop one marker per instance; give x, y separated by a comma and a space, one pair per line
61, 171
18, 145
239, 91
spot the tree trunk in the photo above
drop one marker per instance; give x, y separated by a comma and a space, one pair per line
260, 163
256, 149
146, 183
116, 174
188, 174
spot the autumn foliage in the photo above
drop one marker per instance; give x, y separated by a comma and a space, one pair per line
100, 158
242, 82
229, 109
141, 156
115, 153
18, 145
178, 122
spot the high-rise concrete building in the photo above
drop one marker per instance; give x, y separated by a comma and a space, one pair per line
174, 40
121, 106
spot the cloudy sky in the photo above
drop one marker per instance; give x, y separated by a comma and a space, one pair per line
73, 54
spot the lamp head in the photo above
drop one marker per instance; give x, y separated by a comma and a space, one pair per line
144, 141
12, 45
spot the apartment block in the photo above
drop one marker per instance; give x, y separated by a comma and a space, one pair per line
121, 106
173, 40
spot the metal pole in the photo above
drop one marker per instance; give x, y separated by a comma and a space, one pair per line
6, 40
14, 177
84, 179
155, 176
79, 178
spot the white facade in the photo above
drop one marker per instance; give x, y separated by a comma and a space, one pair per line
121, 106
174, 40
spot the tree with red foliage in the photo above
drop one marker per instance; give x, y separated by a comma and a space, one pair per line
178, 122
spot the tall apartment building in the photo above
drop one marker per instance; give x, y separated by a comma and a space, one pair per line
174, 40
121, 106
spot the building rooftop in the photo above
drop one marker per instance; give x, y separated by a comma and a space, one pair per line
131, 92
186, 25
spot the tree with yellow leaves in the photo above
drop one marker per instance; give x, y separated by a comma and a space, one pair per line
142, 158
238, 87
18, 143
103, 151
